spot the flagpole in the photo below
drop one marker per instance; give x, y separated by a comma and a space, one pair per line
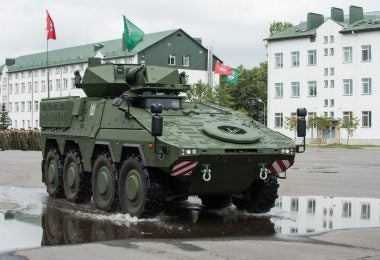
47, 66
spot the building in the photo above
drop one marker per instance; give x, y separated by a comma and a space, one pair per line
23, 81
329, 66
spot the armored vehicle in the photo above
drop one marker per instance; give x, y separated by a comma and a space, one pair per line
134, 144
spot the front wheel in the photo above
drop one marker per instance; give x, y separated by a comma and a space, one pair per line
262, 195
140, 194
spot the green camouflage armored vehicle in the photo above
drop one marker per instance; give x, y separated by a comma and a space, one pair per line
134, 144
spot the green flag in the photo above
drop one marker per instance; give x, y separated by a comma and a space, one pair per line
132, 35
233, 78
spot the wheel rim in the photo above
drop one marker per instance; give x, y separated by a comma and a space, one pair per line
52, 172
72, 176
133, 187
103, 180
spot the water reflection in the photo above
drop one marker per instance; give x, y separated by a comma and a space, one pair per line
314, 214
65, 223
64, 227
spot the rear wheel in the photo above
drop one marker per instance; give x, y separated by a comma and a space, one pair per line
141, 195
104, 187
215, 201
262, 195
77, 184
53, 174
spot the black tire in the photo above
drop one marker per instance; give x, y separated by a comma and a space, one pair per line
263, 194
76, 183
104, 183
215, 201
141, 195
53, 174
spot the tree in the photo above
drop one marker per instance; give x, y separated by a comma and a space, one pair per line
321, 123
291, 124
350, 123
200, 92
5, 120
276, 27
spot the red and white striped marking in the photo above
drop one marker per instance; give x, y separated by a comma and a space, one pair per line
183, 168
279, 166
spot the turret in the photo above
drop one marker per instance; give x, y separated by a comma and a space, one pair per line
112, 80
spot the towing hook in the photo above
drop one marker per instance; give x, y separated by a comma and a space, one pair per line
263, 173
206, 173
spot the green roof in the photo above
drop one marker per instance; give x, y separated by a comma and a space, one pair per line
370, 22
80, 54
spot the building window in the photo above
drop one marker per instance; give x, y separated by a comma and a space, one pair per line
17, 108
30, 74
311, 206
332, 83
347, 54
43, 86
10, 89
30, 87
35, 86
295, 58
17, 90
42, 72
65, 84
312, 57
331, 51
325, 52
347, 87
10, 107
294, 204
57, 84
23, 107
332, 102
366, 119
325, 39
366, 86
185, 60
23, 124
278, 60
331, 38
332, 71
278, 90
366, 52
36, 73
332, 114
35, 105
22, 75
22, 87
312, 88
171, 59
29, 106
326, 103
326, 71
326, 83
81, 67
365, 211
36, 123
278, 122
50, 85
295, 89
72, 68
57, 70
347, 115
65, 69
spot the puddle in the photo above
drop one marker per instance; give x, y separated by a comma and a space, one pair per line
42, 221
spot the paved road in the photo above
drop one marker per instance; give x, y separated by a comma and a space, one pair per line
327, 172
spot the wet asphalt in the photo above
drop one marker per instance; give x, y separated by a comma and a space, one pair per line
326, 190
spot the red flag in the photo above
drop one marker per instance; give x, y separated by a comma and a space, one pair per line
50, 27
222, 69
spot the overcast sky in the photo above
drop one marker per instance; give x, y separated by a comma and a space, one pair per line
234, 28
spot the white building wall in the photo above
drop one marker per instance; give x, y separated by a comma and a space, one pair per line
356, 70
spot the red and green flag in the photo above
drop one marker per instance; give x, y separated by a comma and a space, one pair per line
132, 35
233, 78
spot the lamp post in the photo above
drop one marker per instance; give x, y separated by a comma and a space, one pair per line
260, 101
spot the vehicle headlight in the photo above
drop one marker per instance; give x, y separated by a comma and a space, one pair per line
189, 151
287, 151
